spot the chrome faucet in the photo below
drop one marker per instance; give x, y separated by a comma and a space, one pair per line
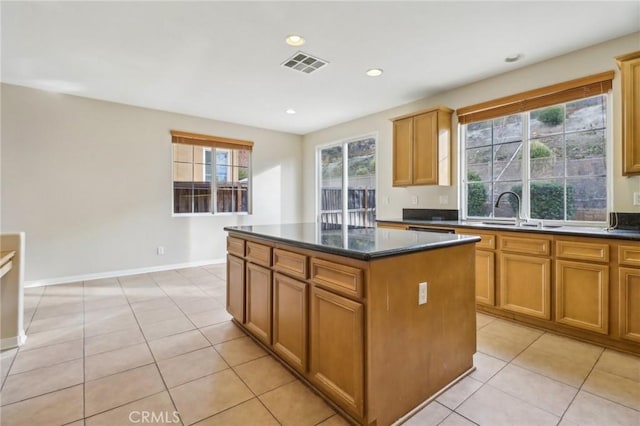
518, 218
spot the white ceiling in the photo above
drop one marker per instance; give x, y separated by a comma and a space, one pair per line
222, 60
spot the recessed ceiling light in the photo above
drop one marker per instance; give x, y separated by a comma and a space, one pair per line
295, 40
374, 72
512, 58
290, 111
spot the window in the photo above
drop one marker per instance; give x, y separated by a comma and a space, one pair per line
349, 165
549, 146
196, 189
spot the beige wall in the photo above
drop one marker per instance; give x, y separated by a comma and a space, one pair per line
90, 183
578, 64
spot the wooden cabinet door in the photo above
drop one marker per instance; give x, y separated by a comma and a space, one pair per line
258, 310
290, 300
582, 295
403, 152
485, 277
630, 72
235, 288
525, 285
425, 149
629, 285
337, 349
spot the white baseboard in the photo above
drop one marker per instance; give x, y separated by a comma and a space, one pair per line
13, 342
112, 274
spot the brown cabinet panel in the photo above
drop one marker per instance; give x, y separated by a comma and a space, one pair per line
290, 263
235, 288
630, 72
629, 287
629, 255
582, 295
290, 301
336, 349
403, 152
425, 149
258, 310
235, 246
485, 277
335, 276
580, 250
258, 253
525, 285
537, 246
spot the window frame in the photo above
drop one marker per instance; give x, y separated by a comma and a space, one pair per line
345, 172
212, 143
526, 172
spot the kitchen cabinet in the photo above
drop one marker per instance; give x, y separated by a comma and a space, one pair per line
235, 287
290, 300
422, 148
582, 285
629, 292
629, 65
525, 275
485, 269
334, 319
258, 302
337, 345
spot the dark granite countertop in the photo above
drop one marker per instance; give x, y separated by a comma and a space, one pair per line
575, 231
358, 243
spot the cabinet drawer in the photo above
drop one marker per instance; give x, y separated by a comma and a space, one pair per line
487, 242
537, 246
629, 255
235, 246
597, 252
293, 264
258, 253
341, 278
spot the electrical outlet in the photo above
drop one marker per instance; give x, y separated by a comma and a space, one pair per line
414, 200
444, 199
160, 250
386, 200
422, 293
636, 198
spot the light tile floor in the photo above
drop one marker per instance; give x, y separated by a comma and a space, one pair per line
160, 348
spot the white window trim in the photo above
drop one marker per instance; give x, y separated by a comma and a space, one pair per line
214, 177
345, 169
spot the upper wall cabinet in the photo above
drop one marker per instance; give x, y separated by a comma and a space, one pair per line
422, 148
630, 71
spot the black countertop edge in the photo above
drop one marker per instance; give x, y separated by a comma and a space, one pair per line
618, 234
467, 239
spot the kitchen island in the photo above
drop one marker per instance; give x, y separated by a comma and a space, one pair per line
346, 311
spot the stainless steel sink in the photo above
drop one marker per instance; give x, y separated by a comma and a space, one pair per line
527, 225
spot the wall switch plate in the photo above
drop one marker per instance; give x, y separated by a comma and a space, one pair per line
636, 198
422, 293
414, 200
160, 250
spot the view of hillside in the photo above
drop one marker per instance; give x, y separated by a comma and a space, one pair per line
567, 162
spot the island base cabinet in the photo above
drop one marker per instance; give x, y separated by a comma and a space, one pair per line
629, 286
290, 301
235, 288
258, 310
336, 349
582, 295
525, 285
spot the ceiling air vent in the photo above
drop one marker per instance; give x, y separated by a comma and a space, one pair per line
304, 62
